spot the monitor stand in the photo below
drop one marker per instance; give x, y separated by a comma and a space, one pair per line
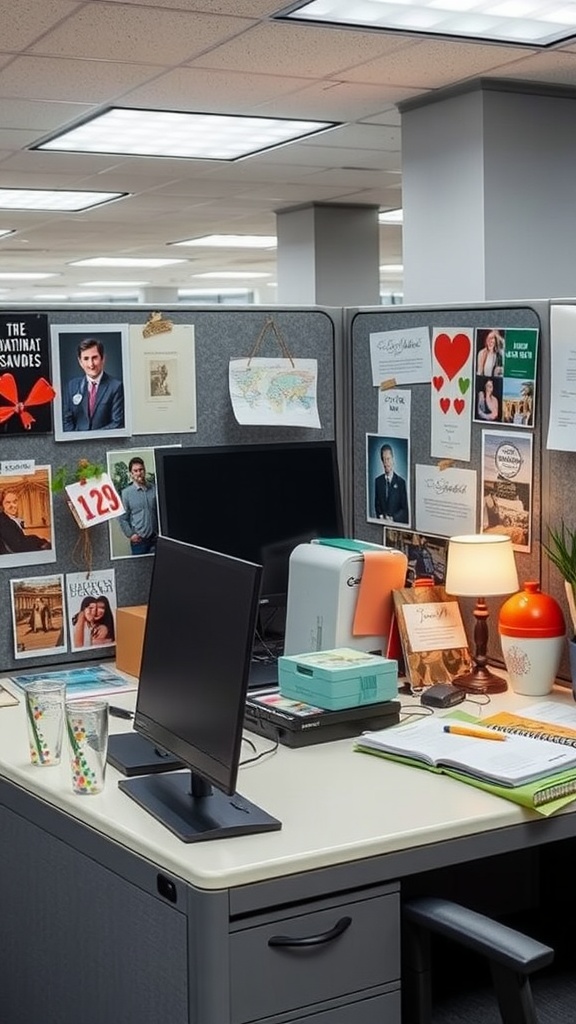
193, 810
133, 754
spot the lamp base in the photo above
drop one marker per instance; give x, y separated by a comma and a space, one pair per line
480, 680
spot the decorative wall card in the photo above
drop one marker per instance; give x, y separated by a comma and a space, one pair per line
400, 356
507, 486
91, 603
95, 500
91, 375
394, 412
451, 405
274, 391
26, 518
163, 377
432, 635
38, 622
445, 500
26, 393
505, 385
562, 422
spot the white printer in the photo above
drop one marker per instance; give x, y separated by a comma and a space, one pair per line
324, 582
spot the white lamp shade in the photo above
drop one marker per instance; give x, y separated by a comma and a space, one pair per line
481, 565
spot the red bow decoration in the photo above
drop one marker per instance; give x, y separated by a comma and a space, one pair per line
40, 393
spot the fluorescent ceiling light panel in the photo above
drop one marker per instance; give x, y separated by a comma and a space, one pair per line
391, 217
239, 274
29, 275
169, 133
232, 241
124, 261
533, 22
193, 293
392, 268
115, 284
54, 200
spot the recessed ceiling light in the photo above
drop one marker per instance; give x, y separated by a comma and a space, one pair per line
28, 275
50, 297
123, 261
115, 284
535, 23
391, 217
232, 241
240, 274
392, 268
54, 200
193, 293
170, 133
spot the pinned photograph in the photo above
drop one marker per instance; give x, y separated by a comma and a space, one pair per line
91, 601
91, 365
133, 473
38, 622
26, 519
387, 466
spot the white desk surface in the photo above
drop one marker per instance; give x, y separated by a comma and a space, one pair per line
335, 805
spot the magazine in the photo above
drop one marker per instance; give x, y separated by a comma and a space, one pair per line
90, 681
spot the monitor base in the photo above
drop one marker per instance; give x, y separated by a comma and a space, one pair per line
168, 798
132, 754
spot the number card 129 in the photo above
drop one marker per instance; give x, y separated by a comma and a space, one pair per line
96, 500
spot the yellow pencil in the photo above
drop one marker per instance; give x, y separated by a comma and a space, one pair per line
470, 730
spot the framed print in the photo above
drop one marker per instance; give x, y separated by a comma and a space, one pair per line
91, 371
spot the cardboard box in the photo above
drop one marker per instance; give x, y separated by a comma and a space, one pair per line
130, 625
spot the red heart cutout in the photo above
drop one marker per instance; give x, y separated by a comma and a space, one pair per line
437, 382
452, 353
459, 404
444, 404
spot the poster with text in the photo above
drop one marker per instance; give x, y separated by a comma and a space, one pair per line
507, 486
91, 605
26, 392
505, 375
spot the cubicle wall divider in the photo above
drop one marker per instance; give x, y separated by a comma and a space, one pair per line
220, 333
360, 324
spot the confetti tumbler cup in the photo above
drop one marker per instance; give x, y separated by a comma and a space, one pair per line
87, 728
45, 718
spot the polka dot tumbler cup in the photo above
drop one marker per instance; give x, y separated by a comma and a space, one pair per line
87, 728
45, 718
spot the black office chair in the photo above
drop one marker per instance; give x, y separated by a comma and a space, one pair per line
512, 956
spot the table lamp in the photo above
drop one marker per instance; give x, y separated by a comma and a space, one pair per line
480, 564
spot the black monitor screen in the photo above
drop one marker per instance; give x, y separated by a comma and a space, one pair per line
255, 502
200, 625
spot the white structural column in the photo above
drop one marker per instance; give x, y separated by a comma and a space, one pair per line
161, 296
328, 255
489, 193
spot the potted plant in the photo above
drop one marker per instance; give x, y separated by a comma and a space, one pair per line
561, 550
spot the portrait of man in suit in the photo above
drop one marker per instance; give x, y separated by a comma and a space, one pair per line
95, 400
387, 465
91, 364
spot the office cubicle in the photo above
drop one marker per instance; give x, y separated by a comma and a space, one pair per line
220, 333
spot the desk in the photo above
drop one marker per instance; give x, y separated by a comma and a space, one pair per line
107, 917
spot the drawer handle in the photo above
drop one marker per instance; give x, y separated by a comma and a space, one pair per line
312, 940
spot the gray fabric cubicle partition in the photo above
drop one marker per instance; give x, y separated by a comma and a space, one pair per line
220, 334
359, 325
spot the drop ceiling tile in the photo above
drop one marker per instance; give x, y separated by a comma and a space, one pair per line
334, 100
12, 139
87, 81
551, 68
356, 137
434, 64
26, 20
245, 8
296, 51
213, 91
99, 31
39, 116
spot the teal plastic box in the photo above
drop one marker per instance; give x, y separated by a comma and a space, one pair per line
342, 678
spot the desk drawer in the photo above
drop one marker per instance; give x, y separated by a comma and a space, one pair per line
300, 959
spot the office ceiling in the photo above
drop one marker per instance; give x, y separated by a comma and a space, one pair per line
64, 60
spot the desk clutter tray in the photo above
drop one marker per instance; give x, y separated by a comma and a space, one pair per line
297, 724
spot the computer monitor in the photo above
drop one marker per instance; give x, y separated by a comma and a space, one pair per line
253, 501
197, 647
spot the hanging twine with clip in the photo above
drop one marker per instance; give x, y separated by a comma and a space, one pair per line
270, 325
